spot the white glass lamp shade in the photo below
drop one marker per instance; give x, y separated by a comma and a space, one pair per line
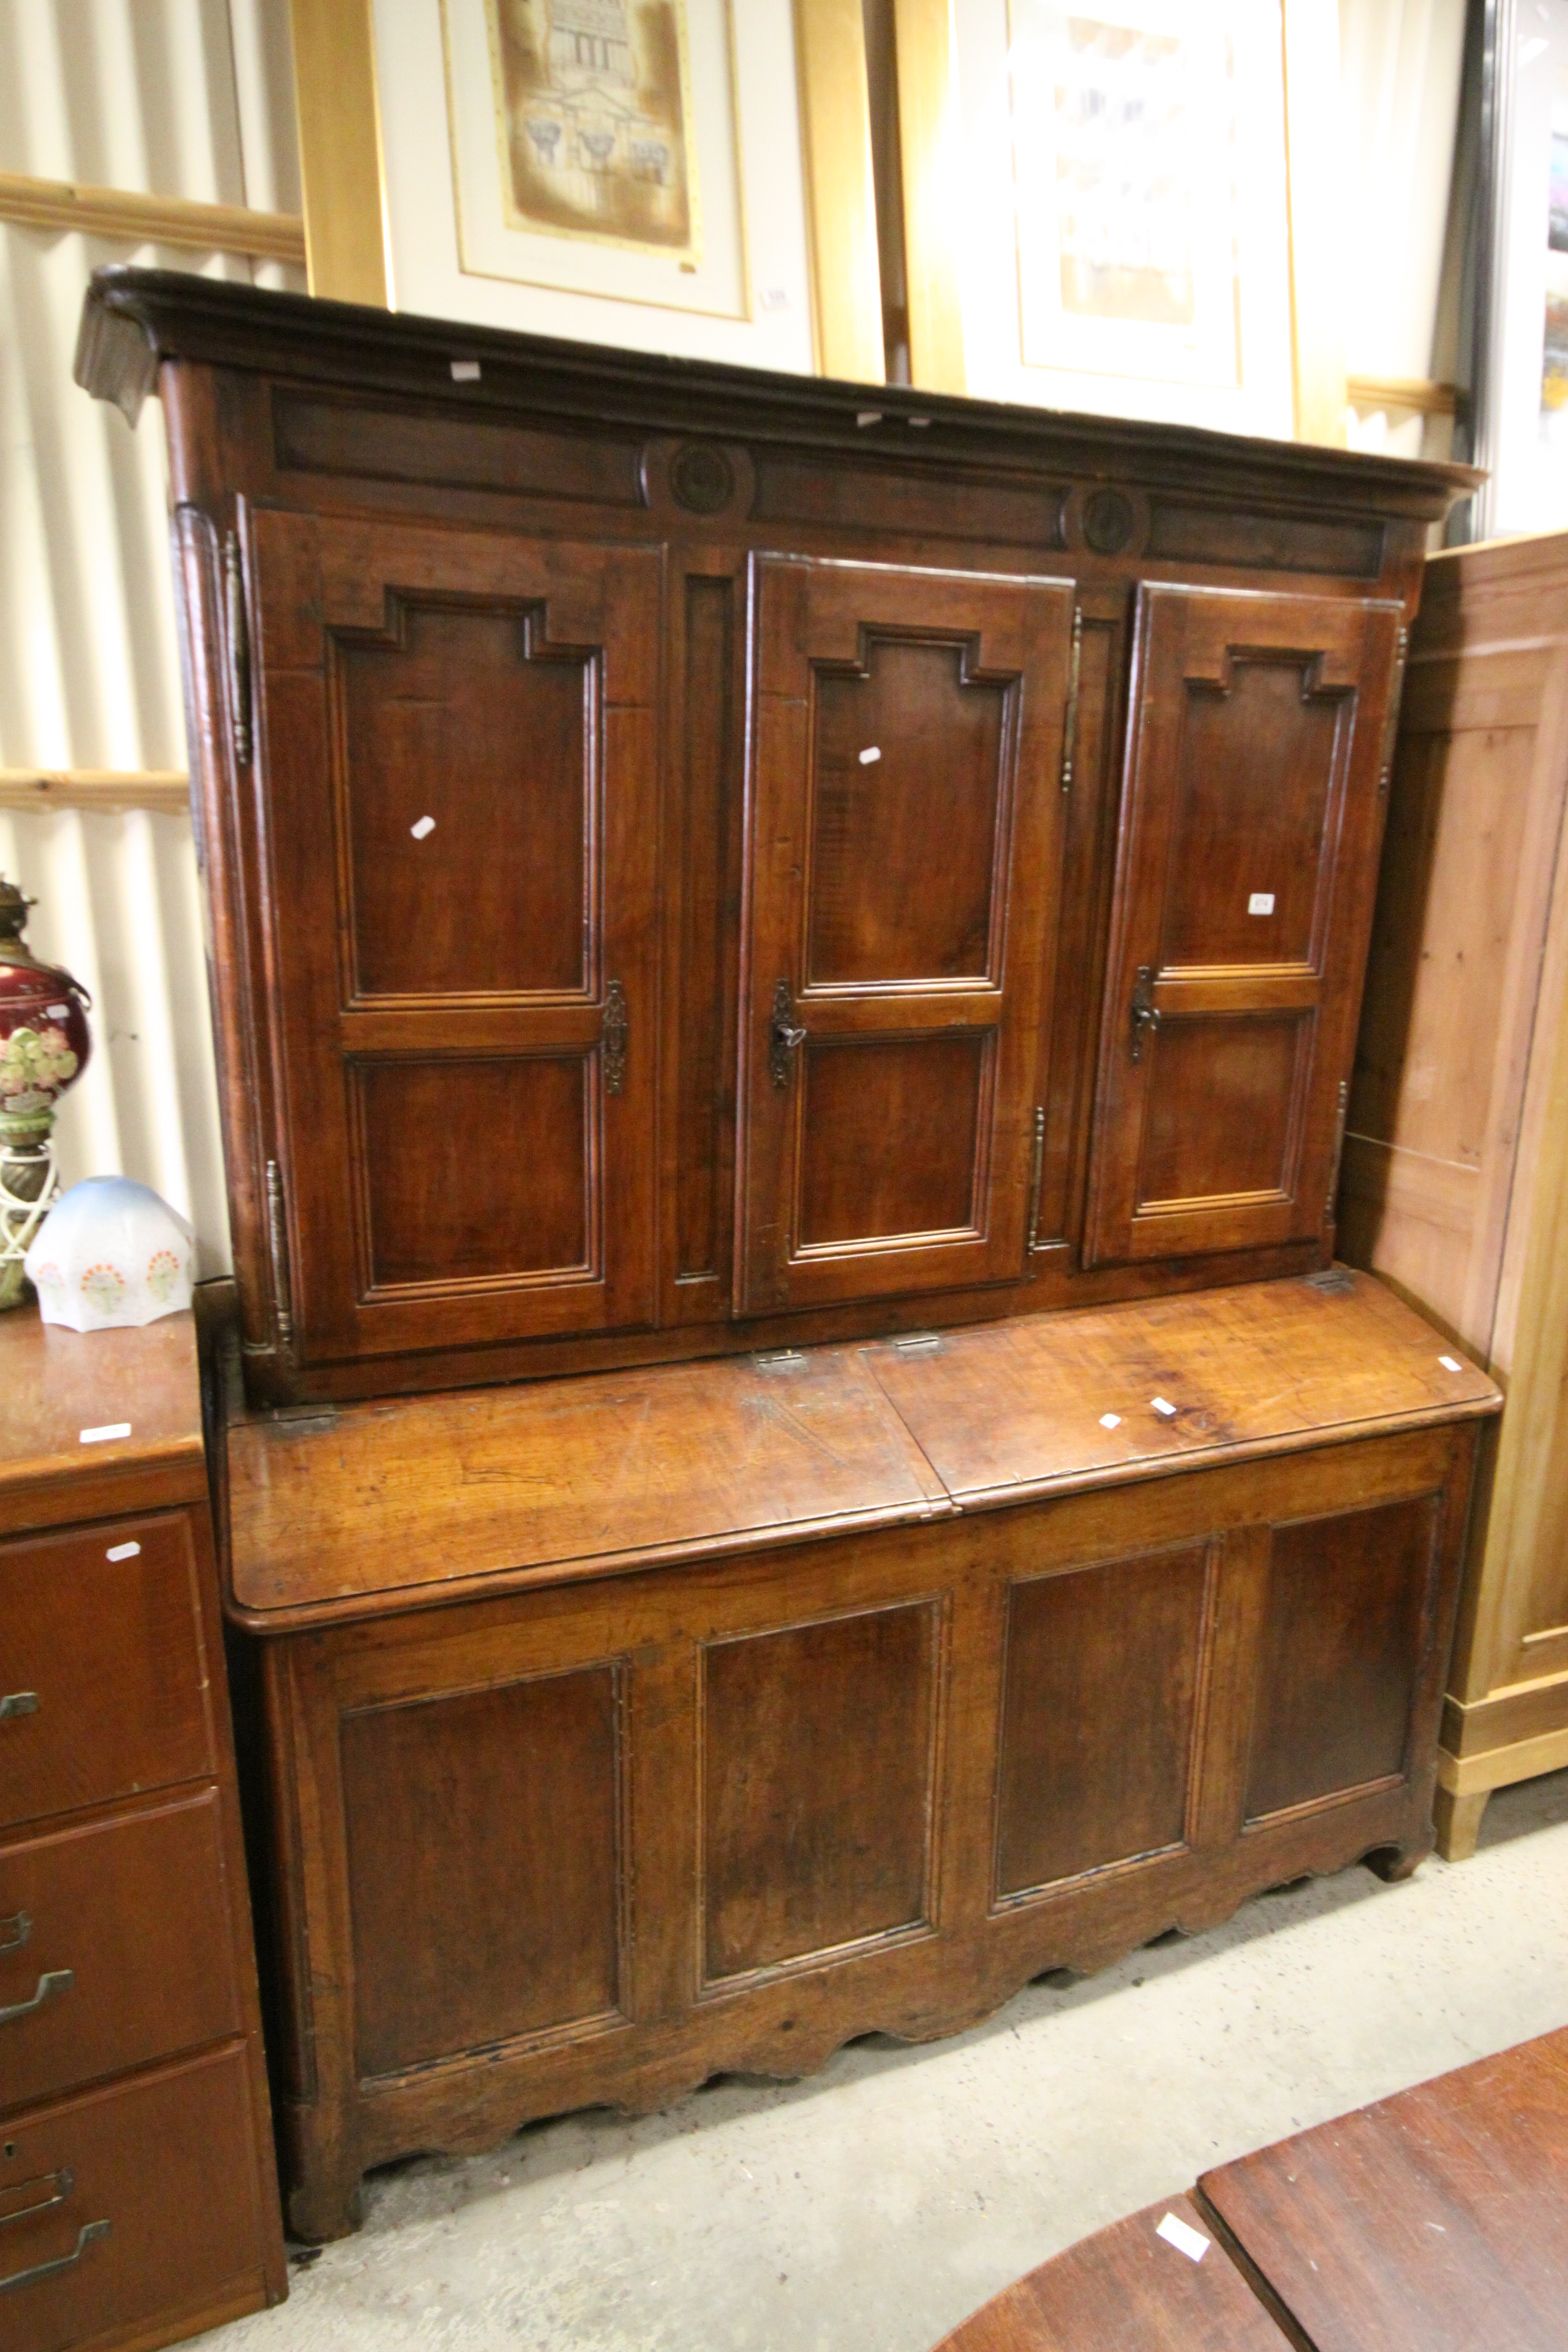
111, 1252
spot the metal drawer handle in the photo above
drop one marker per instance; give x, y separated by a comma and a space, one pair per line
86, 2236
18, 1703
15, 1931
55, 1980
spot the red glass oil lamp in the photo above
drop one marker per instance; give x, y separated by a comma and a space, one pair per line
44, 1046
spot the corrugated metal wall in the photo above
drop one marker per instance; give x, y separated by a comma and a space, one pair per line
175, 98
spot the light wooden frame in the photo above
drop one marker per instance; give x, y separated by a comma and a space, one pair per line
343, 177
929, 139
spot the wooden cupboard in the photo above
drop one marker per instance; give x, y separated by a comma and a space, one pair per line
700, 859
1456, 1165
627, 1729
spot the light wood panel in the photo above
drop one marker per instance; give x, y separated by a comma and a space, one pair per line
1456, 1163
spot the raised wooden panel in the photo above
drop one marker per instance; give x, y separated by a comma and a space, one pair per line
1252, 806
477, 1170
469, 871
818, 1778
484, 1865
907, 751
1345, 1641
905, 844
460, 775
1098, 1716
1219, 1104
889, 1135
1251, 790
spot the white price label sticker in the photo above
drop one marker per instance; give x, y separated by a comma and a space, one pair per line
424, 826
465, 371
123, 1552
109, 1429
871, 752
1164, 1407
1261, 903
1450, 1363
1110, 1420
1183, 2237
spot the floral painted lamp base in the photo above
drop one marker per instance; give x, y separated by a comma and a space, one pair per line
43, 1050
27, 1186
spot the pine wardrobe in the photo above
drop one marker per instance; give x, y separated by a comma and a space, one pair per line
786, 959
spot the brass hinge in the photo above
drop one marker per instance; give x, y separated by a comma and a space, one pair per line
1339, 1147
1036, 1172
1070, 724
1395, 692
237, 642
616, 1026
277, 1235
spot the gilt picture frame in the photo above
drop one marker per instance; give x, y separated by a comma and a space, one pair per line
690, 176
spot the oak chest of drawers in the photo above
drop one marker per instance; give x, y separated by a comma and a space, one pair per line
138, 2201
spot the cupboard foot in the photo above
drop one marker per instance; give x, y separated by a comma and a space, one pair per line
1458, 1821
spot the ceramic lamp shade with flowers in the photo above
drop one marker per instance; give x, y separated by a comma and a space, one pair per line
44, 1046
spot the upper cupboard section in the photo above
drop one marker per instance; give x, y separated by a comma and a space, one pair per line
700, 860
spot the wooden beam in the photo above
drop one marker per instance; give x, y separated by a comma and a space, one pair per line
94, 788
150, 220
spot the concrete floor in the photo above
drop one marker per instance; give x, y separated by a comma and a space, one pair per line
870, 2208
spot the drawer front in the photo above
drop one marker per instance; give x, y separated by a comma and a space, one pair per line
126, 2206
102, 1683
114, 1948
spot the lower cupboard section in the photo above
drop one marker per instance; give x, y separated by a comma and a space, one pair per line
595, 1841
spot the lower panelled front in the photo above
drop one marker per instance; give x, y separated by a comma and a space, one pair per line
596, 1842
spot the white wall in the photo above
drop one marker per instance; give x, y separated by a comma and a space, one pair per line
176, 98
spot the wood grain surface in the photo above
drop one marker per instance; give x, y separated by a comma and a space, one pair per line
1126, 2289
1434, 2221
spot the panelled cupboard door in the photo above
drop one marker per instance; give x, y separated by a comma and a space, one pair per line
457, 746
903, 850
1251, 812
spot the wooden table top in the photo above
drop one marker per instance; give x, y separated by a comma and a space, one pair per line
55, 1384
1127, 2289
392, 1504
1435, 2221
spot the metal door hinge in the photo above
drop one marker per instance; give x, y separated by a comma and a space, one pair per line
785, 1035
1395, 694
1339, 1146
1070, 723
237, 645
278, 1240
1036, 1172
616, 1028
778, 1359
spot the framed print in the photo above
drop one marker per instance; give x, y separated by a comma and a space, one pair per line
691, 176
1120, 180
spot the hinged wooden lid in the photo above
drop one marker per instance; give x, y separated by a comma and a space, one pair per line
1048, 1403
412, 1500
